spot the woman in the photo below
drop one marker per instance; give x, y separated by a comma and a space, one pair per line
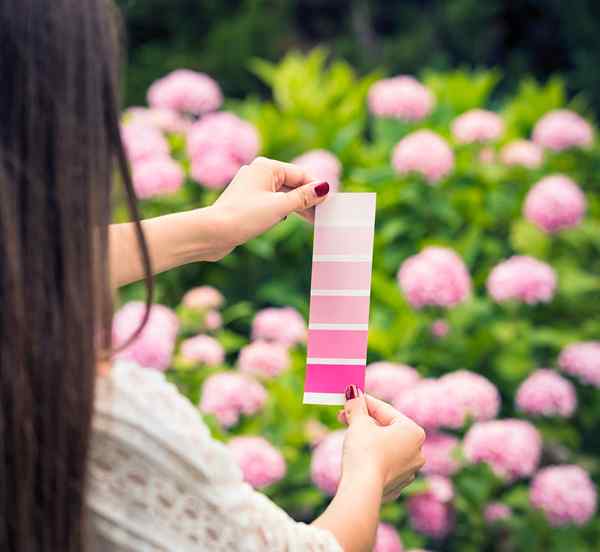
121, 461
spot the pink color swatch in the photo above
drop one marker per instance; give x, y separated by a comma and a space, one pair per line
339, 310
343, 241
336, 275
340, 290
332, 378
337, 343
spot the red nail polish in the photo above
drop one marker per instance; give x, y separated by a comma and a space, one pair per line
351, 392
322, 189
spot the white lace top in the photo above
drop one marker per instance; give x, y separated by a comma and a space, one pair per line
158, 481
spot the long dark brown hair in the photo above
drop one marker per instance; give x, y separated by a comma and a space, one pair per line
60, 149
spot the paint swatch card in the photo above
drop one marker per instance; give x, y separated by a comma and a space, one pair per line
339, 297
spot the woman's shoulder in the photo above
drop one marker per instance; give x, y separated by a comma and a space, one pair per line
146, 399
154, 469
140, 408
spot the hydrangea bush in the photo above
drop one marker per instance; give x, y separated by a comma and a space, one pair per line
485, 313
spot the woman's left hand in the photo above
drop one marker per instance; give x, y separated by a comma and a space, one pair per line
262, 194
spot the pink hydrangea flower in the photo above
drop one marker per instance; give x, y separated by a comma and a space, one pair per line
228, 395
437, 276
186, 91
545, 393
439, 449
477, 125
226, 132
156, 176
213, 320
555, 203
496, 511
326, 462
203, 349
440, 328
423, 152
203, 298
522, 278
163, 119
387, 380
401, 97
261, 463
431, 512
427, 405
472, 395
321, 165
511, 447
450, 401
565, 494
142, 142
315, 431
218, 145
582, 360
214, 169
153, 348
264, 359
524, 153
387, 539
282, 325
562, 129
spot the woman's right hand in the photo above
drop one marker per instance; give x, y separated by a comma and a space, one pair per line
383, 440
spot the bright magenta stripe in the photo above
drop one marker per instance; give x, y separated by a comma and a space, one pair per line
339, 310
328, 275
327, 378
337, 343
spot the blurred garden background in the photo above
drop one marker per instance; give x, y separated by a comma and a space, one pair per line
475, 123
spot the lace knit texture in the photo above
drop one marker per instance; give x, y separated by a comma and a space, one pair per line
159, 482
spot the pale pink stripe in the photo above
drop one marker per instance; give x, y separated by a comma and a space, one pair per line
339, 310
327, 378
346, 208
337, 343
328, 275
343, 241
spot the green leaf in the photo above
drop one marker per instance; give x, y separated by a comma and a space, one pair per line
462, 90
528, 240
531, 102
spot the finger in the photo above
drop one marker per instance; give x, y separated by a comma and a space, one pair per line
401, 484
274, 175
305, 197
412, 434
306, 214
396, 491
355, 406
384, 413
341, 416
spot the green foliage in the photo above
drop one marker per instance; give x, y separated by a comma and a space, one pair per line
477, 211
462, 90
313, 106
530, 102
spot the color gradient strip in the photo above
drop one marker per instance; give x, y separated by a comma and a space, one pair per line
340, 293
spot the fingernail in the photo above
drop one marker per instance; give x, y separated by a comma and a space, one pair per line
351, 392
322, 189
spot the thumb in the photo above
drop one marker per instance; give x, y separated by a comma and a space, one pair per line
356, 405
306, 196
